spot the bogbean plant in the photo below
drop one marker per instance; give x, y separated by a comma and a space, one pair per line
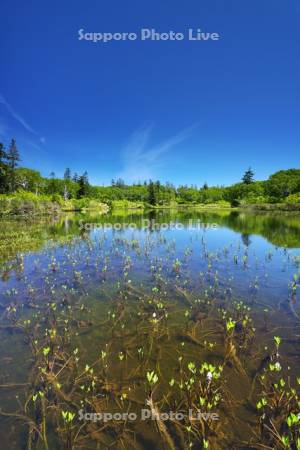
197, 391
294, 284
278, 404
153, 309
238, 326
61, 385
135, 351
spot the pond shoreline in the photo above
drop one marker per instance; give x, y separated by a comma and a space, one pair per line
55, 209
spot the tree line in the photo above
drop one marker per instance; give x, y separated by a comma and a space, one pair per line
281, 186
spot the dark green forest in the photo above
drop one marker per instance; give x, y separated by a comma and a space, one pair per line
18, 184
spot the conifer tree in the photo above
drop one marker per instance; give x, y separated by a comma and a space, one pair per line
4, 169
248, 176
151, 193
13, 158
67, 174
84, 185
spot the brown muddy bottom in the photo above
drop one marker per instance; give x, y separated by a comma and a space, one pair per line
150, 341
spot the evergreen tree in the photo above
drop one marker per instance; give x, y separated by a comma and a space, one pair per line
86, 178
248, 177
52, 183
157, 190
13, 158
205, 186
75, 177
13, 155
3, 154
67, 174
120, 183
84, 185
4, 169
151, 193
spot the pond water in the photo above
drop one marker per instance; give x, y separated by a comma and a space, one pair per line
150, 331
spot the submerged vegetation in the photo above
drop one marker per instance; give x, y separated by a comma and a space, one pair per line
102, 329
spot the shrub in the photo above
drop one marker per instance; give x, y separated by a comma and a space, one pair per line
57, 199
126, 204
27, 203
235, 203
293, 198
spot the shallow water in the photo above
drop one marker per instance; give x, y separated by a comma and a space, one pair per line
102, 313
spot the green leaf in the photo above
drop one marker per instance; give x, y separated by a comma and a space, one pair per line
277, 340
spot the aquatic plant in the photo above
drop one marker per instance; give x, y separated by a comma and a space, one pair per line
111, 323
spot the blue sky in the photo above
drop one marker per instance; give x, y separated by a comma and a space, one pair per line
181, 111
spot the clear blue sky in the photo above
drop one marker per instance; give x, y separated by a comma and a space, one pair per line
182, 111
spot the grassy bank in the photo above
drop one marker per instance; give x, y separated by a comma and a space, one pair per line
126, 204
23, 203
29, 204
273, 207
192, 205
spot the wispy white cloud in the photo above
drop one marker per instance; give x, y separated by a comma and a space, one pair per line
141, 161
20, 119
32, 145
3, 129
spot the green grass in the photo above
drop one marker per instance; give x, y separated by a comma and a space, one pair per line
24, 203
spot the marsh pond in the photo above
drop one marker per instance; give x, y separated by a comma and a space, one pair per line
160, 330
